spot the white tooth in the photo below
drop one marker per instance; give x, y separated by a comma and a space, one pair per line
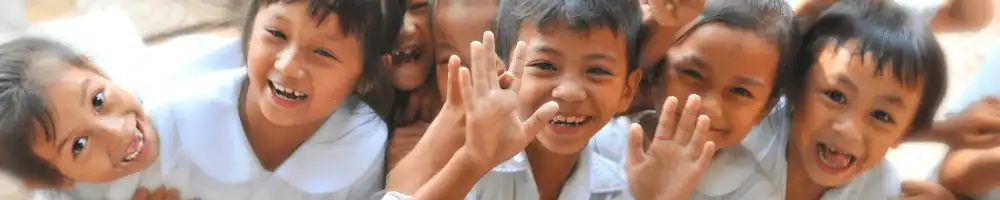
560, 118
279, 87
299, 94
571, 119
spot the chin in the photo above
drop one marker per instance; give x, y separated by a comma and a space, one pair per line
560, 146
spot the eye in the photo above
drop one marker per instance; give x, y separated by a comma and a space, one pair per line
741, 91
692, 74
598, 70
79, 144
325, 53
98, 101
276, 33
416, 5
883, 116
543, 66
836, 96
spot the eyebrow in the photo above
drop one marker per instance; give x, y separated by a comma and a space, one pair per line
83, 92
548, 50
746, 80
589, 56
697, 61
844, 80
893, 100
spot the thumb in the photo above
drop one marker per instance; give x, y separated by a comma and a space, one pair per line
635, 150
539, 119
913, 188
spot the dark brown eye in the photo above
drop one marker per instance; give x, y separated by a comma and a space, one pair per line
98, 101
276, 33
79, 145
836, 96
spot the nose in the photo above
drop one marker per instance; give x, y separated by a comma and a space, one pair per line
847, 127
286, 62
711, 107
569, 91
409, 31
113, 130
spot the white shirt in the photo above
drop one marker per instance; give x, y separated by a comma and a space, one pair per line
594, 177
923, 10
757, 169
205, 153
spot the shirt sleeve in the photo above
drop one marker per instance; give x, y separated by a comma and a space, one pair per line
393, 195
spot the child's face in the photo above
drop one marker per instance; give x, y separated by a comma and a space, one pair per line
101, 131
586, 73
457, 23
732, 70
413, 57
300, 72
850, 115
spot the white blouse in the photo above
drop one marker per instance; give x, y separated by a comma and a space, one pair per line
205, 153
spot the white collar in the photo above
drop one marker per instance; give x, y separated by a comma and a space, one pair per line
595, 173
210, 133
733, 166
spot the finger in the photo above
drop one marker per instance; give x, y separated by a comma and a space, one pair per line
707, 154
689, 117
912, 188
172, 194
141, 194
517, 63
158, 194
454, 86
635, 150
537, 121
990, 124
480, 70
698, 138
507, 80
468, 95
667, 121
489, 55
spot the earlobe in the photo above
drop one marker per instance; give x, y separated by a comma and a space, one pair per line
387, 59
630, 91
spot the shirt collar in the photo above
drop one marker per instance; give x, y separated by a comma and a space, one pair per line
208, 130
763, 148
593, 174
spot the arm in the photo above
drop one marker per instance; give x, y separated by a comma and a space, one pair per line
453, 182
971, 171
963, 15
431, 153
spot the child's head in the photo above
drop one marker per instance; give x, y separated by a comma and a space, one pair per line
65, 121
306, 56
457, 23
580, 54
865, 77
731, 56
414, 56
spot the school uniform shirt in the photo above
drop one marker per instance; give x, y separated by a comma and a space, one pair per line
594, 177
205, 153
923, 10
757, 169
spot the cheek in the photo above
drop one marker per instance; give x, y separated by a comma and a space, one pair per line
534, 92
261, 55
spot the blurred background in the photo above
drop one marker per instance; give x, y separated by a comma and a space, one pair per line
157, 32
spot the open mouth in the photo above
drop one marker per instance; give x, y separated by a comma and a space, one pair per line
135, 147
570, 121
286, 94
407, 56
833, 158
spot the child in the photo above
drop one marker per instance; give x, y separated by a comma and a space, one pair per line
66, 122
579, 50
412, 58
868, 75
291, 125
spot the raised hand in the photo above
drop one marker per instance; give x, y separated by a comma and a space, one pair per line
672, 12
677, 157
978, 126
494, 132
922, 190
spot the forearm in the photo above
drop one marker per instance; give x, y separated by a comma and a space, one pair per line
963, 15
971, 171
427, 158
938, 132
453, 182
658, 41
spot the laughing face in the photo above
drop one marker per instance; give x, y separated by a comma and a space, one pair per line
300, 72
587, 74
456, 24
413, 58
850, 115
100, 130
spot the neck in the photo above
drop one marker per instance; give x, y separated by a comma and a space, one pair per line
272, 144
798, 185
550, 169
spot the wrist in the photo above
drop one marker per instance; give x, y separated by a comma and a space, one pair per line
470, 163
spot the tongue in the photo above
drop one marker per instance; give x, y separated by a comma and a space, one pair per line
133, 145
837, 160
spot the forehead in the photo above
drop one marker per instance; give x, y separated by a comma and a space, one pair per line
559, 38
296, 14
738, 50
459, 22
840, 63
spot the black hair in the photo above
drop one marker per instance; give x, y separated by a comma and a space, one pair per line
772, 20
376, 23
581, 16
25, 64
897, 44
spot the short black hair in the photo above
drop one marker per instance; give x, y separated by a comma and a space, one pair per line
581, 15
772, 20
898, 44
24, 64
376, 23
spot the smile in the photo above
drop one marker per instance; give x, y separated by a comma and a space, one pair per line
572, 121
285, 93
135, 147
407, 56
833, 158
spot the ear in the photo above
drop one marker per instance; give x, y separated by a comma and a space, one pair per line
631, 89
387, 59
